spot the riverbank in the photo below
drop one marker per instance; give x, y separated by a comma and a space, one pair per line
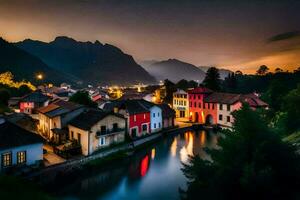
51, 173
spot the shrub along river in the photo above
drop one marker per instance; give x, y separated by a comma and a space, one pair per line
151, 173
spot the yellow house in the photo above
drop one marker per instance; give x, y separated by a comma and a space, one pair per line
181, 104
95, 129
54, 118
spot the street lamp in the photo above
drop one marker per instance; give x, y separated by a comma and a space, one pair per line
39, 76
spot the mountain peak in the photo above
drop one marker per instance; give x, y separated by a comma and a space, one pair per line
64, 39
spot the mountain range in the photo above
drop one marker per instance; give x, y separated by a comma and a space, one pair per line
175, 70
93, 63
23, 65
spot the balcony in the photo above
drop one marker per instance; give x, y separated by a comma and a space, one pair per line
109, 131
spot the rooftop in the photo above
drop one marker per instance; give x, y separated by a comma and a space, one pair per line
12, 135
89, 118
36, 96
200, 90
59, 107
226, 98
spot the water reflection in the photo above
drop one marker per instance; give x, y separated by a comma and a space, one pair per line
153, 173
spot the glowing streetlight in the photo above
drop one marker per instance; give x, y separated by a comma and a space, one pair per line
39, 76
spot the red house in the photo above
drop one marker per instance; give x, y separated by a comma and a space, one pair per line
137, 115
33, 101
201, 111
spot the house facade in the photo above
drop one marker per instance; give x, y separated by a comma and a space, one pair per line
181, 104
95, 129
168, 116
137, 116
18, 147
200, 111
55, 117
155, 116
29, 103
208, 107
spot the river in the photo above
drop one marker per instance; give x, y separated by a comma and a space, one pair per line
151, 173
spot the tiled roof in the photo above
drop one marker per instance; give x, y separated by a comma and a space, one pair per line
89, 118
36, 96
253, 101
226, 98
59, 107
132, 106
167, 111
12, 135
200, 90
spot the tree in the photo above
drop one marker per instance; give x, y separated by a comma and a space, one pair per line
262, 70
278, 70
212, 79
291, 106
4, 97
170, 89
251, 163
231, 82
83, 98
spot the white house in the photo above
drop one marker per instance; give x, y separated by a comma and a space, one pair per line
156, 123
18, 147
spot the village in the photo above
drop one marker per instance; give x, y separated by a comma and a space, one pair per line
45, 129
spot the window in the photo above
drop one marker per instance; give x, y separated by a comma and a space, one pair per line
6, 159
199, 105
159, 125
228, 107
174, 101
79, 138
102, 141
115, 127
204, 105
154, 125
103, 130
72, 135
144, 116
191, 104
153, 114
144, 127
54, 124
133, 132
21, 157
220, 117
213, 106
221, 106
208, 106
184, 103
228, 118
195, 104
134, 118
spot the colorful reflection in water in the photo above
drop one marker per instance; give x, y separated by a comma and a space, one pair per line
144, 165
151, 173
153, 153
174, 147
187, 150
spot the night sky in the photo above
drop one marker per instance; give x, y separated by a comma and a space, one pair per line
232, 34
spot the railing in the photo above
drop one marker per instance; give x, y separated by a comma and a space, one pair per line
109, 131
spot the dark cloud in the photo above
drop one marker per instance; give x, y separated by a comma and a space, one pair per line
284, 36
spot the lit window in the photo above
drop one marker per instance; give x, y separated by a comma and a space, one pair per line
144, 116
21, 157
102, 141
6, 159
134, 118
